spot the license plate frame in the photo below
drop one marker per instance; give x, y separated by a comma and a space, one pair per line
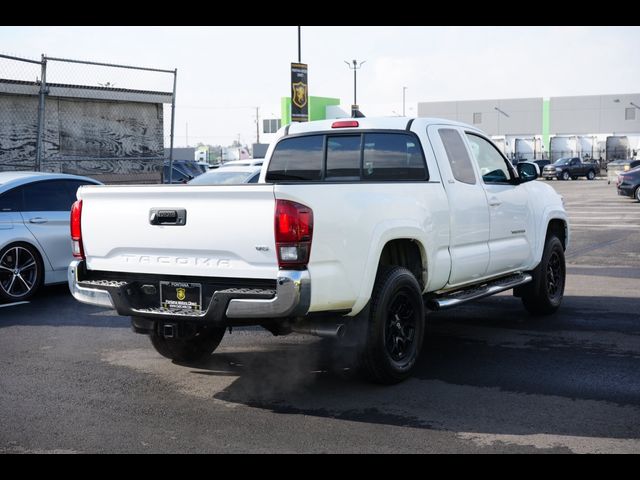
181, 295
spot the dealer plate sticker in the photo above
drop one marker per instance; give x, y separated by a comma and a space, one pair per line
181, 295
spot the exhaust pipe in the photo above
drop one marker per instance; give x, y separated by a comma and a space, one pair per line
320, 329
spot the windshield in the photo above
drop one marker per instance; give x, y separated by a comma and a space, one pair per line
221, 176
562, 161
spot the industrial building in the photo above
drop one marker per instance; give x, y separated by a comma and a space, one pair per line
603, 127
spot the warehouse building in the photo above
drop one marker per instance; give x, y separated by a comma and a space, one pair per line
591, 126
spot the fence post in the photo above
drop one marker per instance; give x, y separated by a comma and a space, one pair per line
41, 105
173, 118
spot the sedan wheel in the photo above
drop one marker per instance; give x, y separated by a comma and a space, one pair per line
20, 272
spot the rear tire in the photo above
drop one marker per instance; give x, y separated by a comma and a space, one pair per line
638, 194
396, 327
591, 175
544, 294
192, 349
21, 272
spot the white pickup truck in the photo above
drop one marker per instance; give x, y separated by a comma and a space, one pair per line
355, 228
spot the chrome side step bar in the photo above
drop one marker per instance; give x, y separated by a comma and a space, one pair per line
453, 299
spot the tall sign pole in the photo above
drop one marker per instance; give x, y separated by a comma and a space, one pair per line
299, 88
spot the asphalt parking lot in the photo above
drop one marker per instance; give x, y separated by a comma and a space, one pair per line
74, 378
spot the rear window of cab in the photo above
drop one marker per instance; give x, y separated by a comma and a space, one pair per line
349, 157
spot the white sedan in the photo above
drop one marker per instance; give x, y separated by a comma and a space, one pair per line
35, 247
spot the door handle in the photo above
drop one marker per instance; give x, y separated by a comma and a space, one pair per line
494, 202
38, 220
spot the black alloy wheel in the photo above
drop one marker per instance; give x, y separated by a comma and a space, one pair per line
400, 327
396, 324
20, 272
555, 278
543, 295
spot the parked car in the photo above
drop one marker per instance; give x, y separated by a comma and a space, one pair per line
617, 167
34, 230
186, 170
179, 176
190, 167
204, 166
229, 175
569, 168
246, 163
542, 163
628, 183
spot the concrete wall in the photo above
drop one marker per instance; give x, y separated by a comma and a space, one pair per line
113, 141
591, 114
524, 114
579, 115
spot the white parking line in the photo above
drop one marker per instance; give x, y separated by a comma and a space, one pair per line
625, 218
586, 225
13, 304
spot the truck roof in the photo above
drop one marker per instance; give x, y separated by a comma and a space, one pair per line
387, 123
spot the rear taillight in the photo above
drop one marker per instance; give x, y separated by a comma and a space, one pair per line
294, 232
76, 231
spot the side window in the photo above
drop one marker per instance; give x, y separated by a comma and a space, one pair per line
11, 201
458, 156
47, 196
393, 157
492, 165
343, 157
296, 159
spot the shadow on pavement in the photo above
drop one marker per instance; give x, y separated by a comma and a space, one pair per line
54, 306
488, 368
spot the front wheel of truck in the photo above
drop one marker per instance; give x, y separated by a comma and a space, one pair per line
544, 294
396, 327
192, 349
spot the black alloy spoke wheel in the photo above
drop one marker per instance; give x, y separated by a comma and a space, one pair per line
20, 272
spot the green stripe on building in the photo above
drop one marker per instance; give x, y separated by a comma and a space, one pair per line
545, 124
317, 108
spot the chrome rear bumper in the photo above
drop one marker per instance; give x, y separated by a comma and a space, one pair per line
292, 298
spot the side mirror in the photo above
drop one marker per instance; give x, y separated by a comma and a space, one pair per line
527, 171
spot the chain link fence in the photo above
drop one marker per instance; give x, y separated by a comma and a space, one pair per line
106, 121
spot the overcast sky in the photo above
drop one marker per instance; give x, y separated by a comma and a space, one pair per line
225, 72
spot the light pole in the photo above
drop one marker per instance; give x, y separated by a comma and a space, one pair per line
503, 113
355, 67
404, 90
